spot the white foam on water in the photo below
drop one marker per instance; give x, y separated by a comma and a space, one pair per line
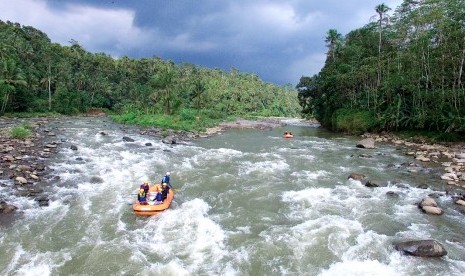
186, 234
304, 176
360, 268
35, 262
269, 166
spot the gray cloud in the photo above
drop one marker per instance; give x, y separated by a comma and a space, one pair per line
278, 40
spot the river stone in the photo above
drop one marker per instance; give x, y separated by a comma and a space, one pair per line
96, 179
21, 180
6, 208
367, 143
421, 248
428, 201
392, 194
460, 155
432, 210
460, 202
24, 168
127, 139
148, 144
73, 147
373, 183
356, 176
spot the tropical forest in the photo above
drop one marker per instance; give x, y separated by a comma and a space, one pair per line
38, 76
401, 71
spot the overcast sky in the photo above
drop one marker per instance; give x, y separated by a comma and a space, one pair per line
276, 39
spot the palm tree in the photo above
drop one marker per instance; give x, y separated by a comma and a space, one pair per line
381, 10
11, 76
333, 40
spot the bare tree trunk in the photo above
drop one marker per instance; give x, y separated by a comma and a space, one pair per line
49, 86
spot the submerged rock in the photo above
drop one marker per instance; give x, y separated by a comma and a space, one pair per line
127, 139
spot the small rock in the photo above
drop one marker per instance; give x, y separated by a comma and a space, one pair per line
460, 202
21, 180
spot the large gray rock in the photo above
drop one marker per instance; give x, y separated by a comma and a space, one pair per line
367, 143
421, 248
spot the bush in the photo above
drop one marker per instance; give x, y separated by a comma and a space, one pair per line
20, 132
353, 121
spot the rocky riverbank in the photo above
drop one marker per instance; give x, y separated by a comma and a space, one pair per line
23, 167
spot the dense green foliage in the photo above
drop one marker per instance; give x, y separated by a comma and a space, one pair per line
406, 70
39, 76
22, 131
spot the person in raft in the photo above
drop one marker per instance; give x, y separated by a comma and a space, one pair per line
166, 179
158, 198
146, 187
142, 196
165, 190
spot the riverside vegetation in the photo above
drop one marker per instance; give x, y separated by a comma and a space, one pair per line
37, 75
401, 72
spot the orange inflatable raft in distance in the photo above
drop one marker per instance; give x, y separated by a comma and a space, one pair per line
288, 135
152, 209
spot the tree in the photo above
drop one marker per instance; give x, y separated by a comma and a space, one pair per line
383, 19
333, 41
11, 76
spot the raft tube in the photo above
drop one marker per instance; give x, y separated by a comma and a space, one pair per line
151, 209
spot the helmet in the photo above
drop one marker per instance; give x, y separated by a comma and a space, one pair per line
167, 173
164, 184
146, 182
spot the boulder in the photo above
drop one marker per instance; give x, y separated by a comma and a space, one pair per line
73, 147
367, 143
428, 201
127, 139
373, 183
421, 248
432, 210
357, 176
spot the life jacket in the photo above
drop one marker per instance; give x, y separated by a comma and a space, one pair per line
142, 193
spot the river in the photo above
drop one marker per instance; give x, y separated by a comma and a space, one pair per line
247, 202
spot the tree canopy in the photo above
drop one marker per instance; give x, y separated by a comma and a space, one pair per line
396, 74
37, 75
